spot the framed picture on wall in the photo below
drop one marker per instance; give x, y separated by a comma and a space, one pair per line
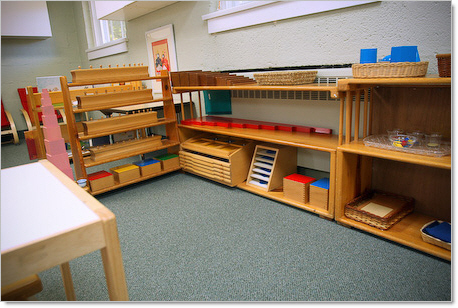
160, 44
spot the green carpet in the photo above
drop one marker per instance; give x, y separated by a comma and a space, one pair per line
184, 238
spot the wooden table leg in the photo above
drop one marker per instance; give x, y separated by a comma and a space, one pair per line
68, 281
112, 258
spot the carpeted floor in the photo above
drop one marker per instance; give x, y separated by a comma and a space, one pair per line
184, 238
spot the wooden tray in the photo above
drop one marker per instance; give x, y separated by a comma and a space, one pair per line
379, 209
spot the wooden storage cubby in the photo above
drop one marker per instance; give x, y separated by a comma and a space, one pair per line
220, 158
270, 164
108, 126
422, 104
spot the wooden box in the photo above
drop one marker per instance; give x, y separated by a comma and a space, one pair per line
296, 187
319, 193
125, 173
169, 161
223, 159
100, 180
149, 166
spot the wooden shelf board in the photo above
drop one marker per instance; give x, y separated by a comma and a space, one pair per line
142, 178
161, 121
278, 196
313, 141
350, 83
95, 108
405, 232
444, 162
88, 162
307, 87
114, 80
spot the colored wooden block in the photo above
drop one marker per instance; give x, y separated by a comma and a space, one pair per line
321, 130
55, 146
125, 173
48, 110
100, 180
169, 161
319, 193
149, 166
303, 129
50, 120
296, 187
52, 132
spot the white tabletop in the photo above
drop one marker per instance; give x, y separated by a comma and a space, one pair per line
36, 205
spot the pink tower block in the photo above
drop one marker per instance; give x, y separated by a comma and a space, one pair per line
54, 143
58, 160
56, 146
52, 133
50, 120
47, 110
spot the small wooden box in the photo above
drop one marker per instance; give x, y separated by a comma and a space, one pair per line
149, 166
319, 193
169, 161
125, 173
296, 187
100, 180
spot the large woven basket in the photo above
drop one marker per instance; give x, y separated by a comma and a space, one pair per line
403, 206
285, 78
444, 64
390, 70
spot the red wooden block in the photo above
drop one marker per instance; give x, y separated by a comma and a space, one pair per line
303, 129
321, 130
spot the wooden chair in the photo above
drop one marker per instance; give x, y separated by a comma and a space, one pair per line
8, 126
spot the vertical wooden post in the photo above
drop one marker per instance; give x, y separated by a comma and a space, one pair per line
39, 143
182, 107
200, 105
357, 112
349, 102
341, 117
366, 101
370, 110
190, 105
78, 161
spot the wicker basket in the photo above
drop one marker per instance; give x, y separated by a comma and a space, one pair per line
400, 205
285, 78
390, 70
432, 240
444, 65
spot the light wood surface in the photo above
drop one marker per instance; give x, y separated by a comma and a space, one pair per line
67, 235
352, 83
313, 141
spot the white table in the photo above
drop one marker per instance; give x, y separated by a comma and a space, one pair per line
48, 220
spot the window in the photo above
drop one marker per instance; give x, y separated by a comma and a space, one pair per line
105, 37
238, 14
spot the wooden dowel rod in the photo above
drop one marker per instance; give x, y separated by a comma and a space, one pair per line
349, 102
341, 119
357, 112
190, 105
366, 100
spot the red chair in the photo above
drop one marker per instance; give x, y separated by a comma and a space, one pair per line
8, 126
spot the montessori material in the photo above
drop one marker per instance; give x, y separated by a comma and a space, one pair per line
125, 173
118, 125
149, 166
168, 161
100, 180
319, 193
270, 164
296, 187
54, 143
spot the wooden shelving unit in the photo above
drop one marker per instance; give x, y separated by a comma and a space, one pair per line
113, 125
311, 141
411, 104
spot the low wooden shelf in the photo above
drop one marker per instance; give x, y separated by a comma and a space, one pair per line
103, 127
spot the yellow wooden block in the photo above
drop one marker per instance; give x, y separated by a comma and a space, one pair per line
125, 173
